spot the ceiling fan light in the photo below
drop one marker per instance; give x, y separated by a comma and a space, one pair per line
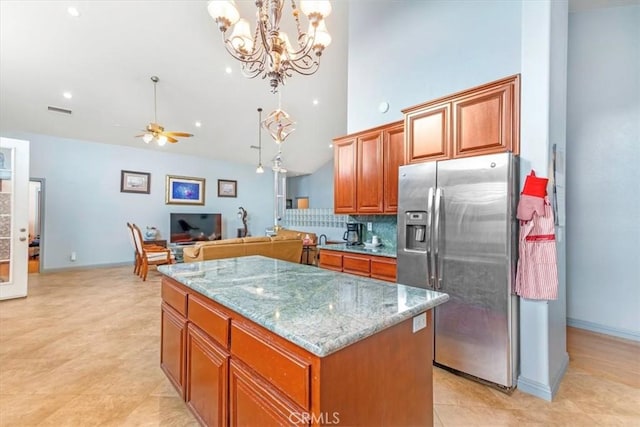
147, 137
162, 140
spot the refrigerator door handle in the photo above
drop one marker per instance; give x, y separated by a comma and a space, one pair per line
437, 256
431, 280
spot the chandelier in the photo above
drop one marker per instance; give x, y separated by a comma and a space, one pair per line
269, 51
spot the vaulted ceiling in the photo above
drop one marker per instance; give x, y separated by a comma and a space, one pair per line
106, 56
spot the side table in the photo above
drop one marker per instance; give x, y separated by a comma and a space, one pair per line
159, 242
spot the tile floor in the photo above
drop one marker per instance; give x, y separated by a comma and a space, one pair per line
82, 350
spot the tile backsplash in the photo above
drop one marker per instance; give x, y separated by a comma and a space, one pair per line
316, 217
383, 226
323, 220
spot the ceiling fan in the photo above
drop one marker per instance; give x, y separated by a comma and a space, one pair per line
156, 132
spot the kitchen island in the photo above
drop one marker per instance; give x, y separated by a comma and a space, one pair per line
259, 341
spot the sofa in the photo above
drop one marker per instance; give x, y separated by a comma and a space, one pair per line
287, 248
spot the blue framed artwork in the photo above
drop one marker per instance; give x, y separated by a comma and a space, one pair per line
184, 190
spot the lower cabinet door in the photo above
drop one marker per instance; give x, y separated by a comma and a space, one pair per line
172, 346
207, 378
383, 268
356, 264
253, 402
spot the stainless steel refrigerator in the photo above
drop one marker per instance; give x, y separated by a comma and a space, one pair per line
457, 233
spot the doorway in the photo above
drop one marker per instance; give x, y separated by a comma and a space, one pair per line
36, 221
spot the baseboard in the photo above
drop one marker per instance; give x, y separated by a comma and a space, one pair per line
557, 377
602, 329
534, 388
87, 267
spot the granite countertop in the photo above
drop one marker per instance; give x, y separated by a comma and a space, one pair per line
320, 310
383, 250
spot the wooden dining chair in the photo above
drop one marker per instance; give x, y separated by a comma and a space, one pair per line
147, 255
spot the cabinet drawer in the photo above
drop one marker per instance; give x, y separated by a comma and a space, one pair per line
355, 264
174, 296
331, 260
209, 319
287, 372
253, 402
383, 268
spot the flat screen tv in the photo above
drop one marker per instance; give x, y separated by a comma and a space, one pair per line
185, 228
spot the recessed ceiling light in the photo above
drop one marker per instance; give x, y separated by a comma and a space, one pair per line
73, 12
330, 145
228, 70
315, 102
67, 95
198, 124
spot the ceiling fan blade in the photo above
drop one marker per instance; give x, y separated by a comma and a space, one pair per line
181, 134
171, 139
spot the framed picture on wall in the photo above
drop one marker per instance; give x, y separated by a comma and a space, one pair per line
227, 188
184, 190
135, 182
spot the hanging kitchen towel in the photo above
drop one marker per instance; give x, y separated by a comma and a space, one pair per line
537, 274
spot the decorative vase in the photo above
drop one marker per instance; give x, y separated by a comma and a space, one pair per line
151, 233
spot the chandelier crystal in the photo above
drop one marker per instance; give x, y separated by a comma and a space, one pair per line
269, 51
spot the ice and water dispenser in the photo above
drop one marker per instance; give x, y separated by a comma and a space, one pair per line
416, 231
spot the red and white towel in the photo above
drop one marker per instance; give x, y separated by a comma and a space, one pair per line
537, 275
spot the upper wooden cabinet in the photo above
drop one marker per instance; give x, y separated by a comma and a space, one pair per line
366, 170
393, 158
428, 133
481, 120
369, 178
344, 175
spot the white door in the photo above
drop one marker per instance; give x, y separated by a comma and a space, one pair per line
14, 217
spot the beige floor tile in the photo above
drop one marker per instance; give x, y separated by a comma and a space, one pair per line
92, 410
29, 410
83, 350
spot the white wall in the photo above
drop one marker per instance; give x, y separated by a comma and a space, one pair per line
85, 211
603, 164
317, 186
408, 52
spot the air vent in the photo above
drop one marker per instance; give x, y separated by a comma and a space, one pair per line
59, 110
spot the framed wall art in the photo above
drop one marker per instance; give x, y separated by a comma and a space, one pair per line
135, 182
227, 188
184, 190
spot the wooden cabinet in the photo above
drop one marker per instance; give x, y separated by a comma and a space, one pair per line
253, 402
240, 374
377, 267
356, 264
366, 170
207, 378
344, 175
369, 177
428, 131
393, 158
384, 268
172, 347
480, 120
